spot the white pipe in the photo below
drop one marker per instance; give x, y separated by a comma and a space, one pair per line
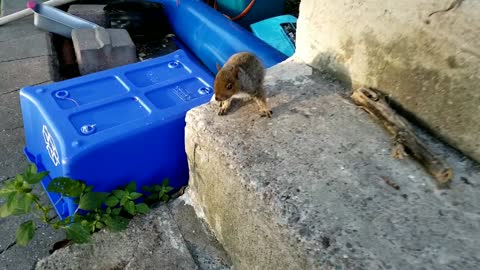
27, 11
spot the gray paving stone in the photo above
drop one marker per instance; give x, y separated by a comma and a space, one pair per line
18, 29
16, 257
9, 225
21, 258
10, 113
35, 45
11, 6
17, 74
12, 159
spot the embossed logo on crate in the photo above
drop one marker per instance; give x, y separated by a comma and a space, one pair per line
182, 93
50, 145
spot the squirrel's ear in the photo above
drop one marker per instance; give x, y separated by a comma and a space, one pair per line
218, 66
239, 72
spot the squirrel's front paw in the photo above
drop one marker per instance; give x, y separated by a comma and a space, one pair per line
267, 114
222, 111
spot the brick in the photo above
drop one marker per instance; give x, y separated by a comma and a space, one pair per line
92, 13
123, 48
99, 49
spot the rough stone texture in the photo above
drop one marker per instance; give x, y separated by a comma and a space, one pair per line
151, 241
427, 64
99, 49
92, 13
205, 249
306, 190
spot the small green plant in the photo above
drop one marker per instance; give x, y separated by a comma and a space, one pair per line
96, 210
158, 193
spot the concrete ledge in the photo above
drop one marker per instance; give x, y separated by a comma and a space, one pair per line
307, 190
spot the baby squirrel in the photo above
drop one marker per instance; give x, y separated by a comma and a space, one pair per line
242, 73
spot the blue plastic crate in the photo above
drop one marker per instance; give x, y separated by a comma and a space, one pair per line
261, 9
279, 32
115, 126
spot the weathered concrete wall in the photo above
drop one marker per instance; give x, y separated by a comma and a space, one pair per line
428, 62
307, 189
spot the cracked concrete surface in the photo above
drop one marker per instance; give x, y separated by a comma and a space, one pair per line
25, 59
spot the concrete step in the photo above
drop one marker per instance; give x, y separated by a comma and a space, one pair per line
169, 237
309, 188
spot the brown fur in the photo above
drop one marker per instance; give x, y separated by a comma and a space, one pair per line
242, 73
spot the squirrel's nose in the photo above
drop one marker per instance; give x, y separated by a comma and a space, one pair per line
217, 99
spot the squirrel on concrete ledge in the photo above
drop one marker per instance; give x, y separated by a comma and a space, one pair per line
242, 73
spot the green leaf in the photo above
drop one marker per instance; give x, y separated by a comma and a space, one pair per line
99, 225
25, 233
124, 200
31, 169
5, 211
8, 188
131, 187
116, 211
19, 203
118, 193
35, 178
92, 200
66, 186
165, 182
142, 208
88, 189
112, 201
164, 198
85, 223
135, 195
19, 180
130, 207
78, 233
116, 223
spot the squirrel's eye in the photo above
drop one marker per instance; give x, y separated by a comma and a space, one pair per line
229, 86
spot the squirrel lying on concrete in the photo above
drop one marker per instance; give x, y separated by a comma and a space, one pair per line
242, 73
